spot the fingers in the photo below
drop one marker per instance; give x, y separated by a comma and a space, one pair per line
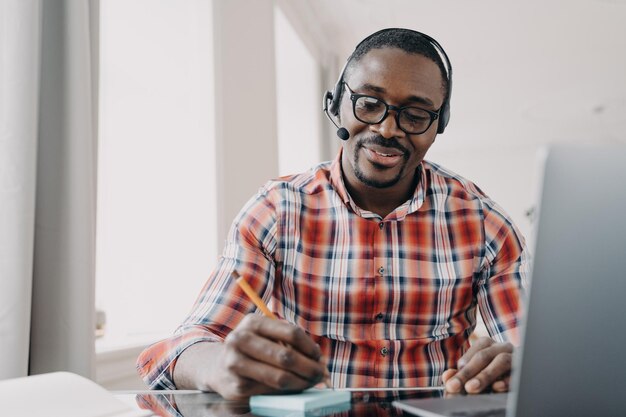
502, 385
494, 371
485, 364
447, 374
282, 331
480, 344
256, 361
250, 377
281, 357
327, 382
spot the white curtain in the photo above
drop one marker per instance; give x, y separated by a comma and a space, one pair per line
48, 96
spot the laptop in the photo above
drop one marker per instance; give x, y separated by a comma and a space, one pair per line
573, 356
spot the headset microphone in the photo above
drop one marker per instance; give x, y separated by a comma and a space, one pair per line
342, 132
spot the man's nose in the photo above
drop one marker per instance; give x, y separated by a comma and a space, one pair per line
388, 128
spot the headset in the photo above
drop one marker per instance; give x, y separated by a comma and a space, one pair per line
332, 99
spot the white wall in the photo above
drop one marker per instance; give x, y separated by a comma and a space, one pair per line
245, 97
298, 100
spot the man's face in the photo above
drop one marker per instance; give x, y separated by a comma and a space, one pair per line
382, 155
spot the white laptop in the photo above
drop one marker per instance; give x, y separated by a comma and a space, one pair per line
573, 358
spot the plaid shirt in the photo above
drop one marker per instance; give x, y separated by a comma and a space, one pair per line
392, 302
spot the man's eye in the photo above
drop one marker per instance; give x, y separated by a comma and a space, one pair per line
369, 104
416, 115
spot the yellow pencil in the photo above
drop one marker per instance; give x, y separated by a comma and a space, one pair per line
253, 296
243, 284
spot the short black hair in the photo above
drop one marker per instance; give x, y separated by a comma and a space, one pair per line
409, 41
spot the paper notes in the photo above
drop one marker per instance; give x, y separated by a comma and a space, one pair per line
303, 402
61, 394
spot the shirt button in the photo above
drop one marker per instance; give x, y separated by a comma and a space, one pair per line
384, 351
379, 316
381, 270
381, 225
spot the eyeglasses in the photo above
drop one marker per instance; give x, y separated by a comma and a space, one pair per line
372, 110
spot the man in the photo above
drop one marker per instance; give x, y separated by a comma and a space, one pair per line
375, 262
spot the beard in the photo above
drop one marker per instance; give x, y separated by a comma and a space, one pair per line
380, 141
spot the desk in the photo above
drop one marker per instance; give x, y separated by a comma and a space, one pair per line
197, 404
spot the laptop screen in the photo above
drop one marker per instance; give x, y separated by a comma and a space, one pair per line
573, 361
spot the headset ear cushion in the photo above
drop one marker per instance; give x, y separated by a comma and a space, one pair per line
336, 98
444, 117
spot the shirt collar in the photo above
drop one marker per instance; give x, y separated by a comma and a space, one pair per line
408, 207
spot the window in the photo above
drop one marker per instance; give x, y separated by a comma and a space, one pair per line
156, 240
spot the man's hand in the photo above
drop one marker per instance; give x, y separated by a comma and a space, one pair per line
259, 356
486, 364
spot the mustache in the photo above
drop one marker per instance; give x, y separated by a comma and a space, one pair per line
382, 142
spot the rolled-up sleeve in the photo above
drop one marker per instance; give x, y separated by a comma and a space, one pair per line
156, 363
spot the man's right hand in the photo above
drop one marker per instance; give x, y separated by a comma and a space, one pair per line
259, 356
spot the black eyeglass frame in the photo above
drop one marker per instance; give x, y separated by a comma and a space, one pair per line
434, 115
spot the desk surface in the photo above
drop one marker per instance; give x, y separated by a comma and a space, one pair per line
197, 404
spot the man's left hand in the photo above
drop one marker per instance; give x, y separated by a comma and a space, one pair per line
485, 365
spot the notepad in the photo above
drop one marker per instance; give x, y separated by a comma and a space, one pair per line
61, 394
311, 399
